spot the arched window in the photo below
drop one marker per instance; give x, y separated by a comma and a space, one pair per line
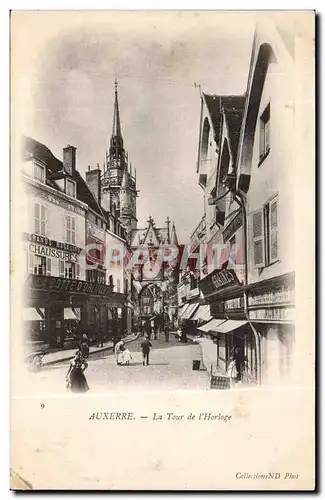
205, 139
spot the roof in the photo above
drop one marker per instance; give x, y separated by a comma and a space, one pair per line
214, 104
54, 165
138, 235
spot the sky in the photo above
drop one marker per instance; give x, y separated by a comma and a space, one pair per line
157, 57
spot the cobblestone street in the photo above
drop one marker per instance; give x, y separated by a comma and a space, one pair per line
170, 368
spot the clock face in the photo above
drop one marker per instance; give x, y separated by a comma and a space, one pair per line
152, 270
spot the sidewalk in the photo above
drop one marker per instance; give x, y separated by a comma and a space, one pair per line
66, 354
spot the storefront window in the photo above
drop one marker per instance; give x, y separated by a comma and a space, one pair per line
39, 265
70, 270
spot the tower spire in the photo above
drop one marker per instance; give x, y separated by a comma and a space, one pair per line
116, 132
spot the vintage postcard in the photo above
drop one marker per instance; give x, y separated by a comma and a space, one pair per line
162, 250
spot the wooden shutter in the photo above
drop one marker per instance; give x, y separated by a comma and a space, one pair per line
67, 228
43, 220
73, 230
37, 225
273, 225
78, 271
262, 138
258, 239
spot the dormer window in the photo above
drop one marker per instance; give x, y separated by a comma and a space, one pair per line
70, 188
39, 172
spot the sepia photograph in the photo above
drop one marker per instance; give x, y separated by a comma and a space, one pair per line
162, 287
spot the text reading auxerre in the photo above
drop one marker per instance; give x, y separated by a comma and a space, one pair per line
112, 416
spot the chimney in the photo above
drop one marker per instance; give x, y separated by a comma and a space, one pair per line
93, 182
69, 159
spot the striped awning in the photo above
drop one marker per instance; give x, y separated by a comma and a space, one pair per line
182, 310
191, 309
202, 314
212, 325
230, 326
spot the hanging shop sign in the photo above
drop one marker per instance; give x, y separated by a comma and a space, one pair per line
56, 284
233, 226
218, 280
272, 314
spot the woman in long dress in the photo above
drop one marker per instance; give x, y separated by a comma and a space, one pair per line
119, 348
76, 380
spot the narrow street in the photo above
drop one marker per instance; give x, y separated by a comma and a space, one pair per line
170, 368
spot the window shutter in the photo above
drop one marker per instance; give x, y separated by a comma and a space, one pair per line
273, 224
78, 271
73, 230
258, 239
37, 218
267, 135
262, 132
43, 220
61, 268
67, 229
48, 266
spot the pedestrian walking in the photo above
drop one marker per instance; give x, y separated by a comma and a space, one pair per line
126, 357
232, 372
119, 348
75, 379
155, 331
145, 347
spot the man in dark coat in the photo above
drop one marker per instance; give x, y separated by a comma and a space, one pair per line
145, 347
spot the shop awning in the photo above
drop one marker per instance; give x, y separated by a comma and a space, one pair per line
202, 314
32, 314
190, 310
230, 325
70, 313
212, 325
182, 311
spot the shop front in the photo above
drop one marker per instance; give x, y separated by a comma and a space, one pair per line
271, 308
66, 307
229, 330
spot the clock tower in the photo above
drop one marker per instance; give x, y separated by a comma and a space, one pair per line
118, 184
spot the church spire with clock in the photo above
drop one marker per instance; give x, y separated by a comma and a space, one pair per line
118, 184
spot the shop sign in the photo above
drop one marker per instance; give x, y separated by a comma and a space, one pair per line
52, 253
95, 232
56, 284
233, 226
60, 202
42, 240
219, 279
277, 296
233, 304
273, 314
